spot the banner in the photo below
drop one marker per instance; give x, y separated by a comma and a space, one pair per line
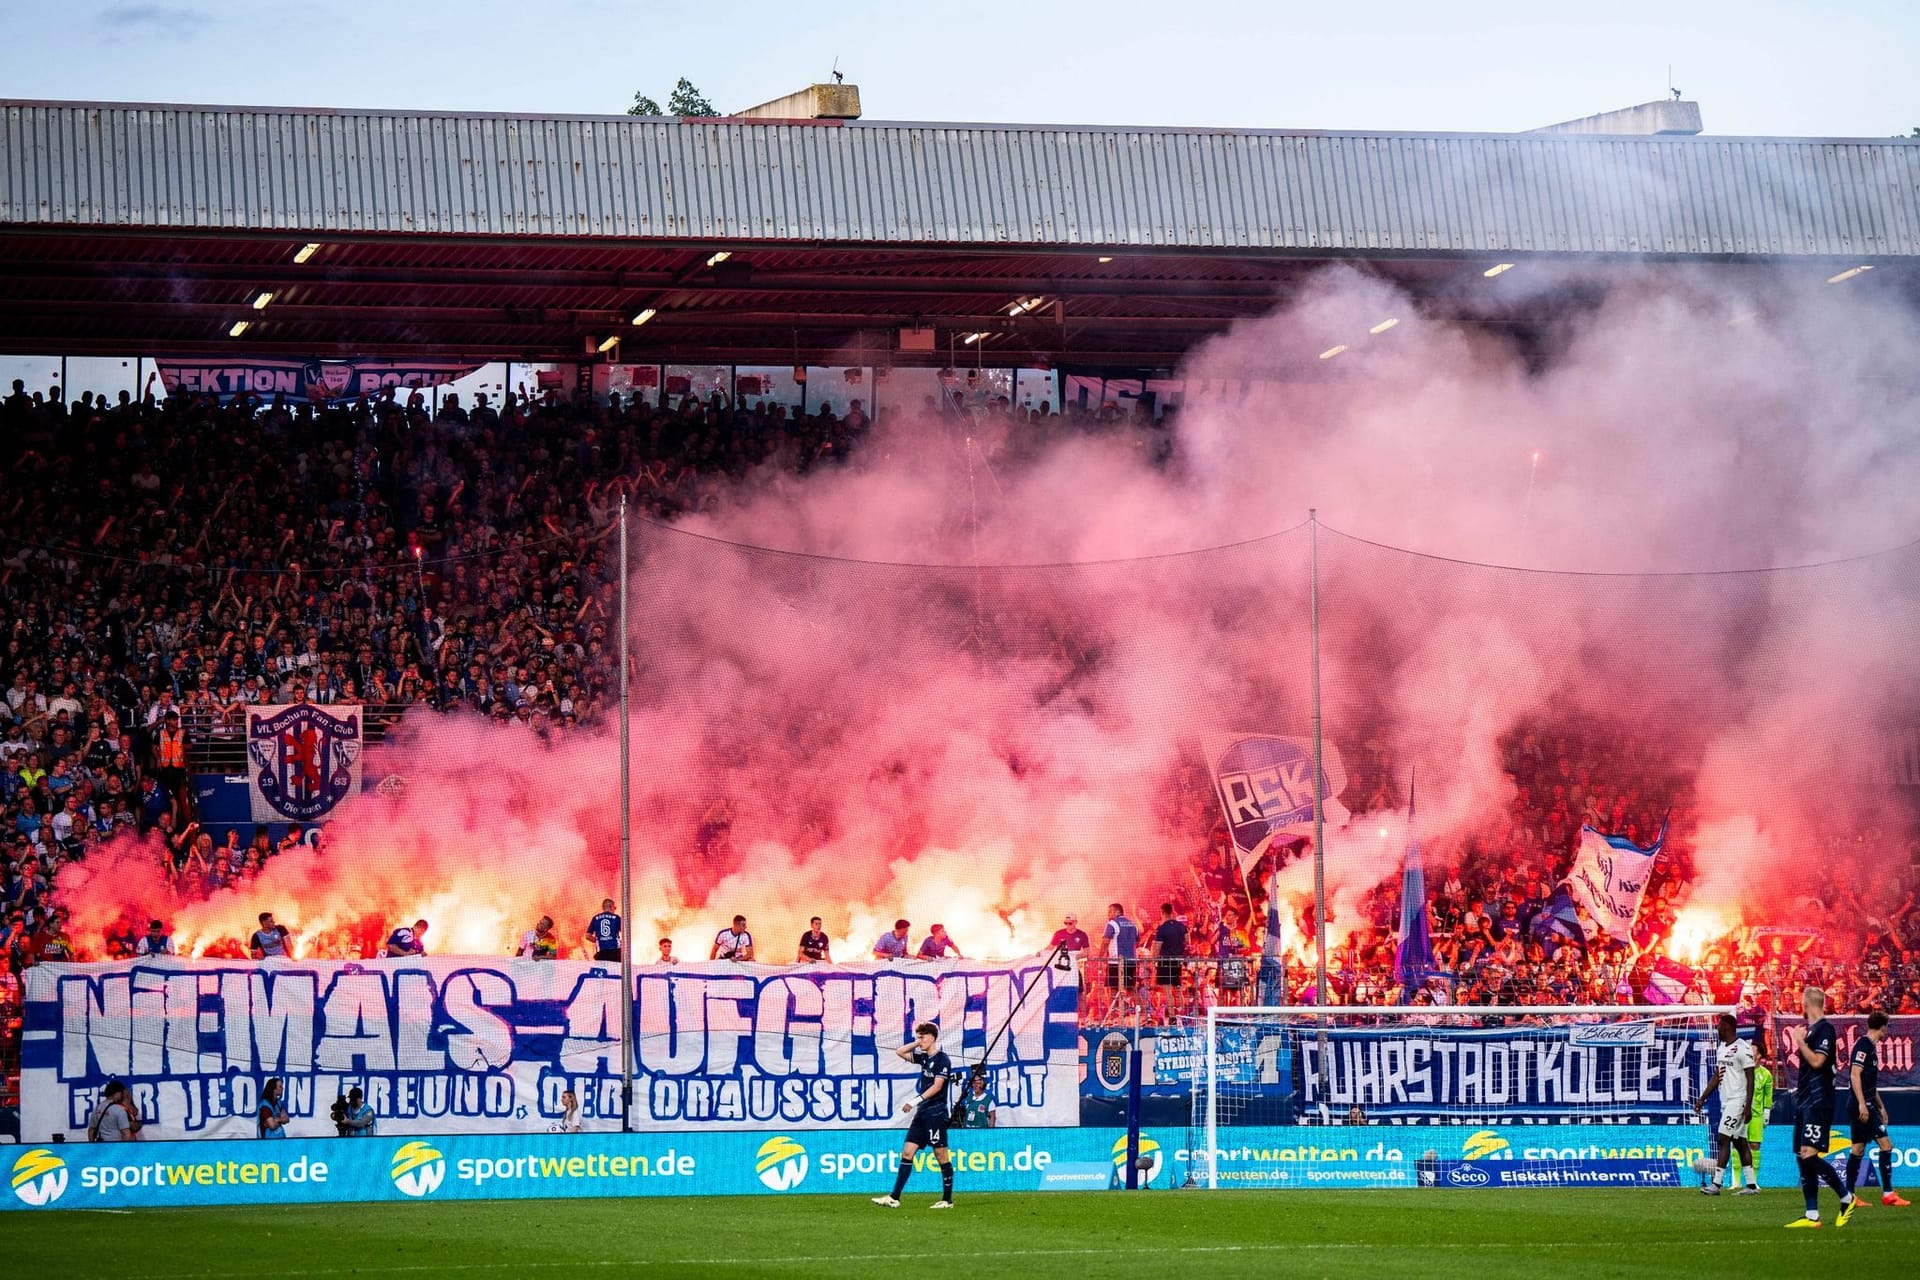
1636, 1073
1608, 878
305, 379
792, 1162
464, 1044
1897, 1067
1473, 1174
302, 760
1265, 787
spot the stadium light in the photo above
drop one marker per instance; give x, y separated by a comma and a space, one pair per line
609, 344
1333, 351
719, 258
1106, 259
1848, 274
645, 314
972, 338
1385, 325
306, 251
239, 327
262, 299
1497, 269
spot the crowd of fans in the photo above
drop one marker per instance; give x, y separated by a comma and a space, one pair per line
1853, 930
170, 560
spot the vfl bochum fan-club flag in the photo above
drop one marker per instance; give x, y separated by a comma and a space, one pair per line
302, 760
1609, 876
1265, 785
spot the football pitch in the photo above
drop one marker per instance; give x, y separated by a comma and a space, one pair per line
1317, 1233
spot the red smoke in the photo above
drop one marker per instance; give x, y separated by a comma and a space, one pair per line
865, 737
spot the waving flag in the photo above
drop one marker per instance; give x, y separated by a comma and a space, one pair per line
1414, 959
1265, 787
1669, 982
1558, 922
1609, 877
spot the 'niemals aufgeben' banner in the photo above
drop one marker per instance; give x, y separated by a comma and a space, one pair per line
464, 1044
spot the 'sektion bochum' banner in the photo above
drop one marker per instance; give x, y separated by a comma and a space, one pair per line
461, 1044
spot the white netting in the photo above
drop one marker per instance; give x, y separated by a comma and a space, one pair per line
1288, 1096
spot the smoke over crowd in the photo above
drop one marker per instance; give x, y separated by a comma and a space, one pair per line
960, 677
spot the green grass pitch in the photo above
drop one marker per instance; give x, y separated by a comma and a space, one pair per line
1238, 1233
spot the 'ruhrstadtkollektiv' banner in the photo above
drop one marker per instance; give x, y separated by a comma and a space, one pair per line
463, 1044
1638, 1071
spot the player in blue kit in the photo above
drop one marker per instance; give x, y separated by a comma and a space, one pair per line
1813, 1110
929, 1108
1867, 1121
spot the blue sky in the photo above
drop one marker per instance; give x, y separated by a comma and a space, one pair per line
1833, 69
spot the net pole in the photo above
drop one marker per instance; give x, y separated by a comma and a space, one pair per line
1213, 1097
1319, 787
626, 852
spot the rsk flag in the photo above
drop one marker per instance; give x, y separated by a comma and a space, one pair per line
1265, 787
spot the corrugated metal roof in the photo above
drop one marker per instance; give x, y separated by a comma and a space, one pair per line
347, 172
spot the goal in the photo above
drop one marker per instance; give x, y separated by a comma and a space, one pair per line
1439, 1096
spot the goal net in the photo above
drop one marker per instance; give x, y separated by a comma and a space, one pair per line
1454, 1097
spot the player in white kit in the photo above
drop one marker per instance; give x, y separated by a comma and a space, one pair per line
1733, 1067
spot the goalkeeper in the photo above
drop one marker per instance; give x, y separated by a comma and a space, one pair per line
1762, 1105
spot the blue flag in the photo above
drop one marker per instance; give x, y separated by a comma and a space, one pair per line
1413, 962
1558, 922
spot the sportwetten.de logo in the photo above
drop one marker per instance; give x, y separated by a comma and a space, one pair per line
781, 1164
39, 1177
418, 1169
1482, 1144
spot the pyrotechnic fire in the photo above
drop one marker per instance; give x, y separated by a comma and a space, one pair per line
1694, 929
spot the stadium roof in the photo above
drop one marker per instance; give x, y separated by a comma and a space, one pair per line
138, 228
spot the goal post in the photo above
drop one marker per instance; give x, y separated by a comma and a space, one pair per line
1437, 1095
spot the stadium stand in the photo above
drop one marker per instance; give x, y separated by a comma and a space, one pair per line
170, 560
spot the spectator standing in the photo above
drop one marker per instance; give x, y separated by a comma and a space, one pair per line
1071, 938
170, 763
892, 945
538, 943
271, 940
603, 932
270, 1120
1121, 944
360, 1121
1170, 946
977, 1102
815, 948
733, 943
115, 1119
406, 941
156, 941
666, 956
938, 946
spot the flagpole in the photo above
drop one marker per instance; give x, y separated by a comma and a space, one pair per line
626, 852
1319, 812
1319, 775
